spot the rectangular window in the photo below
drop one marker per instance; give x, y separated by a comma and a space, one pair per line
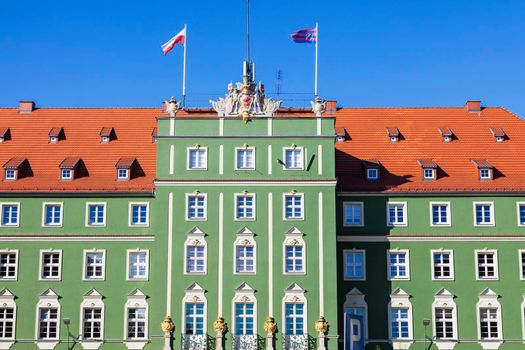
444, 323
293, 158
521, 214
398, 264
52, 214
122, 174
487, 265
442, 265
293, 207
522, 265
294, 318
96, 214
484, 214
372, 173
294, 259
489, 323
429, 174
10, 174
440, 214
139, 214
195, 259
196, 207
244, 207
138, 265
399, 323
245, 158
7, 323
354, 265
94, 265
397, 214
8, 265
353, 213
194, 318
197, 159
92, 324
50, 265
244, 259
66, 174
10, 214
485, 174
244, 318
137, 323
48, 324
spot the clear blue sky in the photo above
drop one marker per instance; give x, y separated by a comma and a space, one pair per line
372, 53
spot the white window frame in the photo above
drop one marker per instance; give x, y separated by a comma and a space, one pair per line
372, 178
443, 299
451, 258
47, 300
195, 238
407, 263
496, 263
5, 204
245, 237
244, 294
400, 299
69, 177
194, 294
294, 237
296, 194
128, 264
188, 152
362, 205
432, 173
103, 223
130, 214
7, 300
136, 300
448, 211
355, 299
523, 316
126, 174
10, 178
354, 251
85, 277
489, 174
294, 294
489, 299
237, 149
41, 268
187, 212
44, 206
92, 300
405, 214
303, 157
521, 264
254, 215
11, 251
492, 214
518, 204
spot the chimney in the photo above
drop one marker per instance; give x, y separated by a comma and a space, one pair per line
26, 106
331, 105
473, 106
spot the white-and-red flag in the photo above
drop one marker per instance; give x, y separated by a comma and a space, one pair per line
177, 39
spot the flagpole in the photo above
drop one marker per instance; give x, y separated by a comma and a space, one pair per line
316, 55
184, 69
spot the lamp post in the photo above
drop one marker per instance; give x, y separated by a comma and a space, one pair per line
67, 321
426, 323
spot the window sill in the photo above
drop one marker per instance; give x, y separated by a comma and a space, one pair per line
448, 344
6, 344
46, 344
135, 344
401, 344
490, 344
91, 344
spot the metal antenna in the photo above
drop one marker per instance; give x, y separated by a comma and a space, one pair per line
248, 30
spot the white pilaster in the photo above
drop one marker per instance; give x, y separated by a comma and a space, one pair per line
270, 254
270, 126
172, 160
221, 159
319, 126
221, 248
269, 159
321, 255
319, 160
169, 261
221, 126
172, 126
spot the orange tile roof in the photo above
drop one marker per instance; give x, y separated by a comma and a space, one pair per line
125, 162
400, 171
14, 163
55, 132
106, 131
69, 163
83, 125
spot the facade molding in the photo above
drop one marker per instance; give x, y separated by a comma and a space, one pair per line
431, 238
222, 183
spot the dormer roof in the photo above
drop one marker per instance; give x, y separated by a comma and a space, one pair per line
427, 163
14, 163
106, 131
69, 163
482, 163
125, 163
56, 131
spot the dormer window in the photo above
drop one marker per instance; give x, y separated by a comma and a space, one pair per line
485, 174
68, 167
498, 133
393, 134
106, 134
485, 169
12, 168
56, 134
124, 167
340, 134
446, 133
10, 174
371, 169
372, 174
4, 134
429, 168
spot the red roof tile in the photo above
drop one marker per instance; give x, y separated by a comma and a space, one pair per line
14, 163
55, 132
69, 163
497, 132
3, 132
125, 163
427, 163
106, 131
482, 163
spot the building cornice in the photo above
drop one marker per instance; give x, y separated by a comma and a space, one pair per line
251, 182
431, 238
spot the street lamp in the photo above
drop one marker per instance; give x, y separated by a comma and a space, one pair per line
426, 323
67, 322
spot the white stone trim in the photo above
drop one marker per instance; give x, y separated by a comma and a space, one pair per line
405, 214
195, 237
449, 213
10, 251
362, 251
40, 271
169, 261
443, 299
294, 294
194, 294
492, 214
400, 299
236, 183
362, 204
321, 252
356, 299
451, 258
521, 265
186, 213
84, 265
128, 264
244, 294
254, 209
270, 254
92, 299
430, 238
44, 204
407, 264
172, 159
136, 299
245, 237
48, 299
77, 238
220, 275
294, 237
221, 159
188, 149
251, 148
7, 300
496, 263
293, 194
270, 163
303, 156
103, 224
130, 214
17, 204
319, 160
489, 299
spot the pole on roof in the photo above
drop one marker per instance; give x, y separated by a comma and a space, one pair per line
248, 30
184, 69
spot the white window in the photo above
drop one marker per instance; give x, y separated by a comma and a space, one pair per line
52, 214
197, 158
245, 158
244, 252
136, 327
195, 253
355, 304
244, 206
521, 213
196, 207
429, 174
372, 173
400, 319
522, 264
444, 315
294, 311
123, 174
442, 264
66, 174
485, 174
10, 214
138, 264
92, 316
94, 265
398, 264
8, 264
244, 313
487, 264
354, 265
293, 158
489, 319
10, 174
138, 214
440, 214
194, 305
353, 214
396, 213
96, 214
294, 253
7, 317
484, 214
50, 265
293, 206
48, 318
400, 323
